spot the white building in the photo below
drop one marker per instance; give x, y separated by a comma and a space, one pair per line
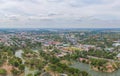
118, 56
116, 44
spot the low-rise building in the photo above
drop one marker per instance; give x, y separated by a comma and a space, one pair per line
118, 56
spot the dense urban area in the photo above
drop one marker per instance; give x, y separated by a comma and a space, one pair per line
55, 52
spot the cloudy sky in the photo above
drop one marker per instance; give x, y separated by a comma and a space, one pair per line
59, 13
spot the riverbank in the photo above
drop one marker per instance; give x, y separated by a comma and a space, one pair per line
101, 64
87, 68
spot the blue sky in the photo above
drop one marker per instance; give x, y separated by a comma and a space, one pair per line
59, 13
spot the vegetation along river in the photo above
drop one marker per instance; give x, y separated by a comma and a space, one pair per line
86, 67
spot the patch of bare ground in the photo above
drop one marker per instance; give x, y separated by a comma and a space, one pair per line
7, 67
109, 67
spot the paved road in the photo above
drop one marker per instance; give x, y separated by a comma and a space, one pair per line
103, 59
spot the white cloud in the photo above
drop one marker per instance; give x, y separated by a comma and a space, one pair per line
38, 12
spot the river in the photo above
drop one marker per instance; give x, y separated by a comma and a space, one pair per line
78, 65
86, 67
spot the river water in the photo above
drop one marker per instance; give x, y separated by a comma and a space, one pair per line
86, 67
78, 65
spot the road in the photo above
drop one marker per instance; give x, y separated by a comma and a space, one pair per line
111, 60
